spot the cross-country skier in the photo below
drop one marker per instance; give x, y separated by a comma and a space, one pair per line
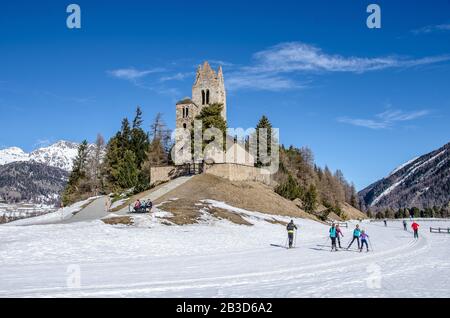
333, 235
405, 225
356, 235
291, 227
364, 238
415, 227
385, 222
338, 235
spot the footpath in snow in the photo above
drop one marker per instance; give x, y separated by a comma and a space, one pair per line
216, 258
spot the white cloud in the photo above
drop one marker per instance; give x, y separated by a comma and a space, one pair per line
275, 67
220, 62
132, 74
267, 82
280, 67
297, 56
432, 28
386, 119
177, 77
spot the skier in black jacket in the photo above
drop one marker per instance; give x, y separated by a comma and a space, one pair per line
291, 227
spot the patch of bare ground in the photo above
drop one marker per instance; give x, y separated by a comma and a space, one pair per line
183, 212
352, 213
115, 220
251, 196
227, 215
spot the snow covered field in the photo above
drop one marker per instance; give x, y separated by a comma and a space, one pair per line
218, 259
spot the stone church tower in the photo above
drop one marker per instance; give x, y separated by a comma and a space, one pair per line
208, 88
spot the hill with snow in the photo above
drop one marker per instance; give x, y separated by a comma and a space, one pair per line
37, 177
422, 182
59, 155
31, 182
13, 154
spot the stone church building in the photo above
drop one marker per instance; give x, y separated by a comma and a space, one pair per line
235, 163
208, 88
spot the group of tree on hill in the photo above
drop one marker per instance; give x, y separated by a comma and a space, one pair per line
434, 212
299, 177
123, 163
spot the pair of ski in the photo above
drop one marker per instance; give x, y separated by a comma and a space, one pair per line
282, 246
353, 250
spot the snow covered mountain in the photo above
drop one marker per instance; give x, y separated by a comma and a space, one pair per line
59, 155
31, 182
13, 154
37, 177
422, 182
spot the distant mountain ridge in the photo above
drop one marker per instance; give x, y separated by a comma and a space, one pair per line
31, 182
37, 177
423, 182
58, 155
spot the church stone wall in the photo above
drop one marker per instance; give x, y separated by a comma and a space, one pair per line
237, 172
164, 173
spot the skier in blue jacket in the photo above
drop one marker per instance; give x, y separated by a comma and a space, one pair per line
356, 235
333, 235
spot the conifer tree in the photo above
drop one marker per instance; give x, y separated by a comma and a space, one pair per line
211, 117
139, 140
79, 172
310, 199
113, 158
125, 135
263, 139
289, 189
127, 171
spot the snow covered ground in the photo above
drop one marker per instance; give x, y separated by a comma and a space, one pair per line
218, 259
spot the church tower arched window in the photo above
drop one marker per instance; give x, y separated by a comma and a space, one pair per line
207, 97
203, 97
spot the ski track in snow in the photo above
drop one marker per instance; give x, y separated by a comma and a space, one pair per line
219, 259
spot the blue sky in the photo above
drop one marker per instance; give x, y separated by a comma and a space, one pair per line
363, 100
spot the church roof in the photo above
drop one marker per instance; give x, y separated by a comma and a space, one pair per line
184, 101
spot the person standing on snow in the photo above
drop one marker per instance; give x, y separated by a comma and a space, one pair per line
415, 227
405, 225
333, 235
291, 227
356, 235
385, 222
338, 234
364, 238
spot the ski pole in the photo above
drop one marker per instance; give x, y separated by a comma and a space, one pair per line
370, 243
295, 239
348, 243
